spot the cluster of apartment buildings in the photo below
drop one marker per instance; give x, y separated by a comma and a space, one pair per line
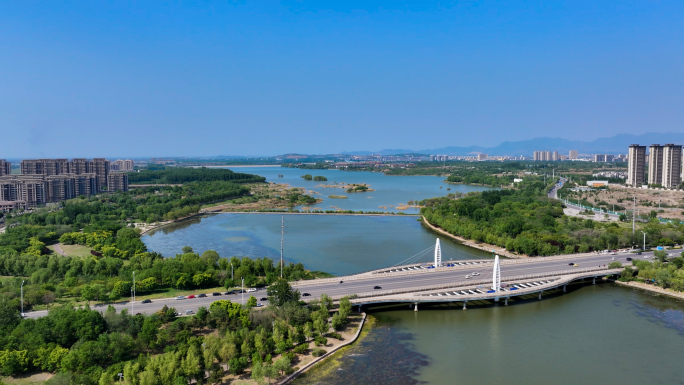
53, 180
554, 156
664, 165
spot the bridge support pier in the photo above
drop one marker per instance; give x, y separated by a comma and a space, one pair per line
594, 281
416, 306
359, 308
565, 288
540, 295
496, 299
506, 302
464, 305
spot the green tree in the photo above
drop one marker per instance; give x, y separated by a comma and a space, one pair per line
251, 302
280, 292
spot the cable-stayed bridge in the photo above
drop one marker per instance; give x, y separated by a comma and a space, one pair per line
434, 275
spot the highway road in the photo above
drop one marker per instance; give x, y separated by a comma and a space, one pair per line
509, 268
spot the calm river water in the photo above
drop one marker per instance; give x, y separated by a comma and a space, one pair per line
601, 334
595, 334
390, 191
337, 244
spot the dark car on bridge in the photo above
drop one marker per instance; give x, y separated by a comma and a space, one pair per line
147, 301
306, 295
202, 296
264, 299
377, 287
216, 294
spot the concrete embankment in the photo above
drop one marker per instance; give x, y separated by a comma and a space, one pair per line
469, 243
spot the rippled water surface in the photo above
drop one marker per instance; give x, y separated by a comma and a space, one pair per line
390, 191
338, 244
600, 334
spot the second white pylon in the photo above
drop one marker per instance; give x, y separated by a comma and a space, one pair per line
496, 274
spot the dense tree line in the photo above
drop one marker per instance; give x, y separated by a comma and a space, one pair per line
524, 220
180, 175
85, 346
664, 271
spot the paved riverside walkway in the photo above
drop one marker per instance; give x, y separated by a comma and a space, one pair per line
652, 288
308, 366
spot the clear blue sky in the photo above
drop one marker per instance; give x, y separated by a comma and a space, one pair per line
182, 78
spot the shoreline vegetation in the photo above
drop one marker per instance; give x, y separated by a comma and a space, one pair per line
468, 242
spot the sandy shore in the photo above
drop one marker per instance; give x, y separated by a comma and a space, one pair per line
652, 289
479, 246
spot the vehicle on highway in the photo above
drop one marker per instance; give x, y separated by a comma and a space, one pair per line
639, 253
306, 295
341, 281
147, 301
191, 296
475, 273
138, 313
189, 312
180, 297
467, 277
571, 264
575, 265
216, 294
202, 296
629, 259
259, 305
264, 299
376, 287
252, 290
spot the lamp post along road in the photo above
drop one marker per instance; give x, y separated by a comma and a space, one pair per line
644, 241
22, 298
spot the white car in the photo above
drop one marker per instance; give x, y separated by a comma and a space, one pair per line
180, 297
252, 290
467, 277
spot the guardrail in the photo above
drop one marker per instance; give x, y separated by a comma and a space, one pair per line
379, 293
484, 263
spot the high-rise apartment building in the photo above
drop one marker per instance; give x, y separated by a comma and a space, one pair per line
5, 167
599, 158
127, 165
573, 154
636, 165
608, 158
672, 166
536, 156
547, 155
33, 190
655, 164
117, 181
555, 156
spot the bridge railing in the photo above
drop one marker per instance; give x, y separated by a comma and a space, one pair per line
484, 263
378, 293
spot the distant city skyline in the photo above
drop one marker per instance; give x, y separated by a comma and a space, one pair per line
263, 78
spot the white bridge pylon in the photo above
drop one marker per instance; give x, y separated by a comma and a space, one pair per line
496, 275
438, 255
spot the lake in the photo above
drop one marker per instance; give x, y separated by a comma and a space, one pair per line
594, 334
390, 191
337, 244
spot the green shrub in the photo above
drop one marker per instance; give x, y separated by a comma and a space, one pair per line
317, 352
301, 349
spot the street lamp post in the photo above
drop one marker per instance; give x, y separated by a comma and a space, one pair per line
243, 291
22, 298
644, 241
231, 271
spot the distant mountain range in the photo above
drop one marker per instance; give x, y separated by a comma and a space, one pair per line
617, 144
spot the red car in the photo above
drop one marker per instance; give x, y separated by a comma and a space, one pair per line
191, 296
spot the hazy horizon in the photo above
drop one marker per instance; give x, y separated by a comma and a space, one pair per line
266, 78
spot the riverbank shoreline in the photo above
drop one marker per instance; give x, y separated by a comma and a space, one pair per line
145, 229
479, 246
652, 289
311, 364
